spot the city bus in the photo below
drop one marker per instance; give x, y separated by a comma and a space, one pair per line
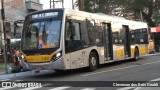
64, 39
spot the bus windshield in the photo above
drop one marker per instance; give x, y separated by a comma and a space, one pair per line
41, 35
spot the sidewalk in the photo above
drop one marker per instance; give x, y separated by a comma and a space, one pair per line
2, 68
2, 71
24, 74
4, 75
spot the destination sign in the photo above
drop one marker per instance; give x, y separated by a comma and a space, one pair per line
45, 15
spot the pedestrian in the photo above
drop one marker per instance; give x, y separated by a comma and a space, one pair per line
16, 67
16, 55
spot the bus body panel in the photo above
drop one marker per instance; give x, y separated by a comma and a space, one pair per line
80, 57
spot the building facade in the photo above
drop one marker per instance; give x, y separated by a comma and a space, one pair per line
15, 12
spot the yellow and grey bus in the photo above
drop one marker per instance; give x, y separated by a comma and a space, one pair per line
63, 39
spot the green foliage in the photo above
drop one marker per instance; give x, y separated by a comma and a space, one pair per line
149, 9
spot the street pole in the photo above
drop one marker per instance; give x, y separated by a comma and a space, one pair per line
141, 16
72, 4
54, 2
62, 4
2, 27
81, 5
50, 4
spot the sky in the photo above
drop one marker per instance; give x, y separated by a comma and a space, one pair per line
46, 4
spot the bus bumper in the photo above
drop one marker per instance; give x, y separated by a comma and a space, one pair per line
58, 64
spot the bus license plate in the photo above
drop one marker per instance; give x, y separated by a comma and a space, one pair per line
39, 68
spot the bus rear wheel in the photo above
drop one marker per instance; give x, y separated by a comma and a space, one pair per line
93, 61
136, 54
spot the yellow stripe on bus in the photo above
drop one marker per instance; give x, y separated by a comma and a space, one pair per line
120, 53
143, 50
132, 52
39, 58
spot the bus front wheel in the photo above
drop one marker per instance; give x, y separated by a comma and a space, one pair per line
93, 61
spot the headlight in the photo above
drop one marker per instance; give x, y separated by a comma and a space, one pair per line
57, 56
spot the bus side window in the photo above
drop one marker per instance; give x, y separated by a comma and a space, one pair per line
72, 36
84, 33
68, 38
115, 37
92, 32
132, 37
67, 32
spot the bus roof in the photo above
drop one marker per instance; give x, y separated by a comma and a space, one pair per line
108, 18
103, 17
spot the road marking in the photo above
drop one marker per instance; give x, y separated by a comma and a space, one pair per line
18, 80
119, 68
137, 88
30, 88
158, 79
5, 88
151, 63
110, 70
125, 88
88, 89
59, 88
5, 80
46, 84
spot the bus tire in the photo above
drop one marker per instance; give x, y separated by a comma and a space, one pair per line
93, 61
136, 54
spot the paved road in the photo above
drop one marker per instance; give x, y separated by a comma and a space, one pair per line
145, 69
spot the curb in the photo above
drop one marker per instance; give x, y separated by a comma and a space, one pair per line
26, 73
155, 54
7, 76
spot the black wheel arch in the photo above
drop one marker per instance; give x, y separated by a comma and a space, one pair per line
96, 52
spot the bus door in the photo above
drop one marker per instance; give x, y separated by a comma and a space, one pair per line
73, 44
126, 41
108, 45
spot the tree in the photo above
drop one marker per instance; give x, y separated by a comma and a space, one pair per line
144, 7
102, 6
131, 9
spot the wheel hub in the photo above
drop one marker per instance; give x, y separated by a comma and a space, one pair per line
93, 61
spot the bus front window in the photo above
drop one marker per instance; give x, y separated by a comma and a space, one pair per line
41, 35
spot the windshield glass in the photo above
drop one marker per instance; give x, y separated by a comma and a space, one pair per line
41, 35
